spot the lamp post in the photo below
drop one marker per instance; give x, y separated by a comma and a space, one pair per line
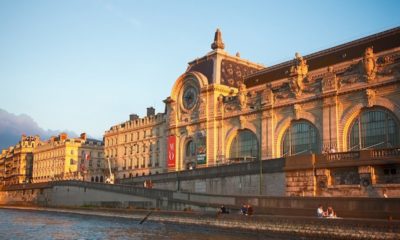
261, 178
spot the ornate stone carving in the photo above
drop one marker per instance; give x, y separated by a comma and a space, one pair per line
371, 97
242, 96
298, 73
220, 103
330, 81
369, 64
386, 65
297, 109
232, 73
267, 96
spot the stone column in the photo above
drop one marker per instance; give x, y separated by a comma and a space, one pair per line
266, 148
330, 127
211, 128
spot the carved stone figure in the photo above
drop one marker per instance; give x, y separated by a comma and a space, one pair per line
242, 95
369, 64
371, 97
298, 72
220, 106
296, 111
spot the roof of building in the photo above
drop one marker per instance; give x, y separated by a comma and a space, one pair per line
355, 49
233, 68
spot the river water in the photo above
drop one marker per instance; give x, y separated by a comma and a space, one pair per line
29, 224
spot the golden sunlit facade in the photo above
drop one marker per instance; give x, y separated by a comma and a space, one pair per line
63, 158
137, 147
335, 112
16, 162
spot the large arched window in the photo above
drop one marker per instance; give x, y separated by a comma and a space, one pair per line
374, 128
301, 137
244, 146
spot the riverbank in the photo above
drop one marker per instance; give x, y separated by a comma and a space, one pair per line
308, 227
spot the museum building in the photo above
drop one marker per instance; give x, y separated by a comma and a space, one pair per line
333, 115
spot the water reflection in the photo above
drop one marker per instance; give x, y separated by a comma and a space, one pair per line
26, 224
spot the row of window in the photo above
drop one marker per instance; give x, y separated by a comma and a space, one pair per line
137, 174
132, 137
132, 149
373, 128
139, 162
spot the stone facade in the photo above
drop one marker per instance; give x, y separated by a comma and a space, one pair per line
137, 147
333, 115
16, 162
63, 158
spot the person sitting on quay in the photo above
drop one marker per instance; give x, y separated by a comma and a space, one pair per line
320, 211
331, 213
243, 210
247, 210
223, 210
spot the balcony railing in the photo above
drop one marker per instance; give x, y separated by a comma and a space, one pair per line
358, 158
391, 152
343, 156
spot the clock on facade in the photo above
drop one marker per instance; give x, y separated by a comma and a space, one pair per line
189, 97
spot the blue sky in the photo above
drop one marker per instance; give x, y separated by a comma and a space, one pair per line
86, 65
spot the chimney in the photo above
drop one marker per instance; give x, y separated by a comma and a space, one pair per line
133, 117
83, 136
63, 136
151, 111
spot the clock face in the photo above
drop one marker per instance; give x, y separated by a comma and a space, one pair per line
189, 97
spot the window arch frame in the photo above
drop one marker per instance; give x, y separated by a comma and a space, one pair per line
291, 146
238, 156
388, 114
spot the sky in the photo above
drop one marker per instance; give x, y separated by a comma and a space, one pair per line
86, 65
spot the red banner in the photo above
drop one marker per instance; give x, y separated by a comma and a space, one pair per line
171, 151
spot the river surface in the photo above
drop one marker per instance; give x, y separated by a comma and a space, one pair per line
30, 224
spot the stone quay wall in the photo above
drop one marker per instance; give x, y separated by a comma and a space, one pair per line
76, 193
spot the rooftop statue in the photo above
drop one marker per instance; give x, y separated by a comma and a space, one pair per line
299, 72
